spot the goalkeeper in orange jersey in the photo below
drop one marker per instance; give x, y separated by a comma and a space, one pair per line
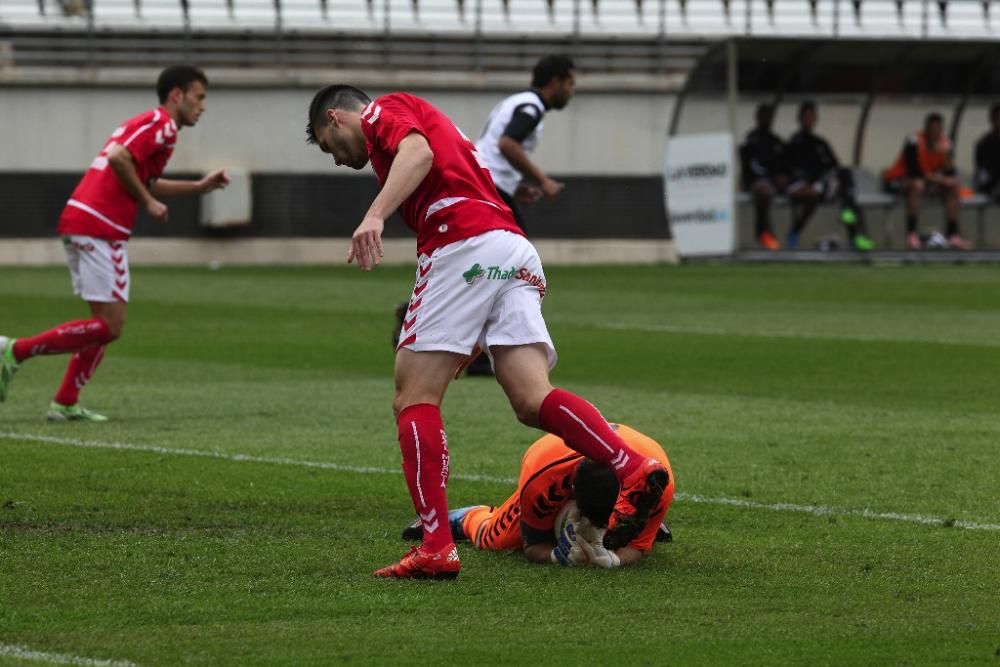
557, 482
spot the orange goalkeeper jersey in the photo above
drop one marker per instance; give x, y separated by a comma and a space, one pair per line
545, 485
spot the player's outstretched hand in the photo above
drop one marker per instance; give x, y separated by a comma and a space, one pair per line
551, 188
366, 243
215, 180
527, 193
157, 210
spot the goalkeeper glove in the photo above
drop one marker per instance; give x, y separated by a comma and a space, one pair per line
567, 550
597, 555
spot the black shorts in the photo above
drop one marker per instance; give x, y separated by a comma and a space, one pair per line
512, 203
751, 180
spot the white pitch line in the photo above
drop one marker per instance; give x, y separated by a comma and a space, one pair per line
722, 331
25, 653
247, 458
825, 510
816, 510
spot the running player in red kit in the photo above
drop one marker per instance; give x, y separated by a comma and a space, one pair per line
479, 283
96, 225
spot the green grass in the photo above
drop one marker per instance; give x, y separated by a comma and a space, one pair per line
849, 387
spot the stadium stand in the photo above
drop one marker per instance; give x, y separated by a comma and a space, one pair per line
614, 36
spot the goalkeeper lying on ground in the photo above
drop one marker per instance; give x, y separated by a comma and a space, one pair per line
555, 478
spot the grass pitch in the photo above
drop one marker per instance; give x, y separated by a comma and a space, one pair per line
774, 389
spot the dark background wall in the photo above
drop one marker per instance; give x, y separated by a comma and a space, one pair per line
314, 205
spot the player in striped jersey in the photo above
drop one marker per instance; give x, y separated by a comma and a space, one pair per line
95, 226
513, 129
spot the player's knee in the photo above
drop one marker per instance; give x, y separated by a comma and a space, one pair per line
526, 410
116, 326
398, 405
916, 186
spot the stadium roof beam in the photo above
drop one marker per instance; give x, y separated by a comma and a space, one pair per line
872, 69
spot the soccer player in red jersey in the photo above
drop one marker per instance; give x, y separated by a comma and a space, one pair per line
95, 226
479, 283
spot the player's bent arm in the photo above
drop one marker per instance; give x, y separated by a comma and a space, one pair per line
123, 164
410, 167
518, 158
413, 161
124, 167
628, 555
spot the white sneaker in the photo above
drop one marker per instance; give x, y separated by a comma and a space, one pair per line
937, 241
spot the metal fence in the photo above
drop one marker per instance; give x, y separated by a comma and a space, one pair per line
914, 18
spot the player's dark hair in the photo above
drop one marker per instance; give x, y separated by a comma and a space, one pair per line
933, 117
178, 76
806, 105
595, 489
994, 112
551, 67
764, 114
336, 96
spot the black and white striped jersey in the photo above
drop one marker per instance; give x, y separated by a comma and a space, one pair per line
519, 117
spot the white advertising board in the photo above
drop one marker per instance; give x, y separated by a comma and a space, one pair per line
698, 173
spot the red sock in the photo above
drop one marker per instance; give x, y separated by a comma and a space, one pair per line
67, 337
425, 464
78, 373
583, 428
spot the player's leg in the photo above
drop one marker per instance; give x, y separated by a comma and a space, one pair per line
952, 197
913, 193
851, 215
93, 272
437, 329
104, 281
805, 199
522, 371
68, 337
456, 520
83, 364
421, 381
763, 191
489, 528
523, 355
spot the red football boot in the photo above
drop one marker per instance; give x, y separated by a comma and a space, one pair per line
418, 564
768, 241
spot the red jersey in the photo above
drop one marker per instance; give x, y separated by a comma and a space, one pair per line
100, 206
457, 199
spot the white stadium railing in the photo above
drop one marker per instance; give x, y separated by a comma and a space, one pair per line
647, 36
707, 18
